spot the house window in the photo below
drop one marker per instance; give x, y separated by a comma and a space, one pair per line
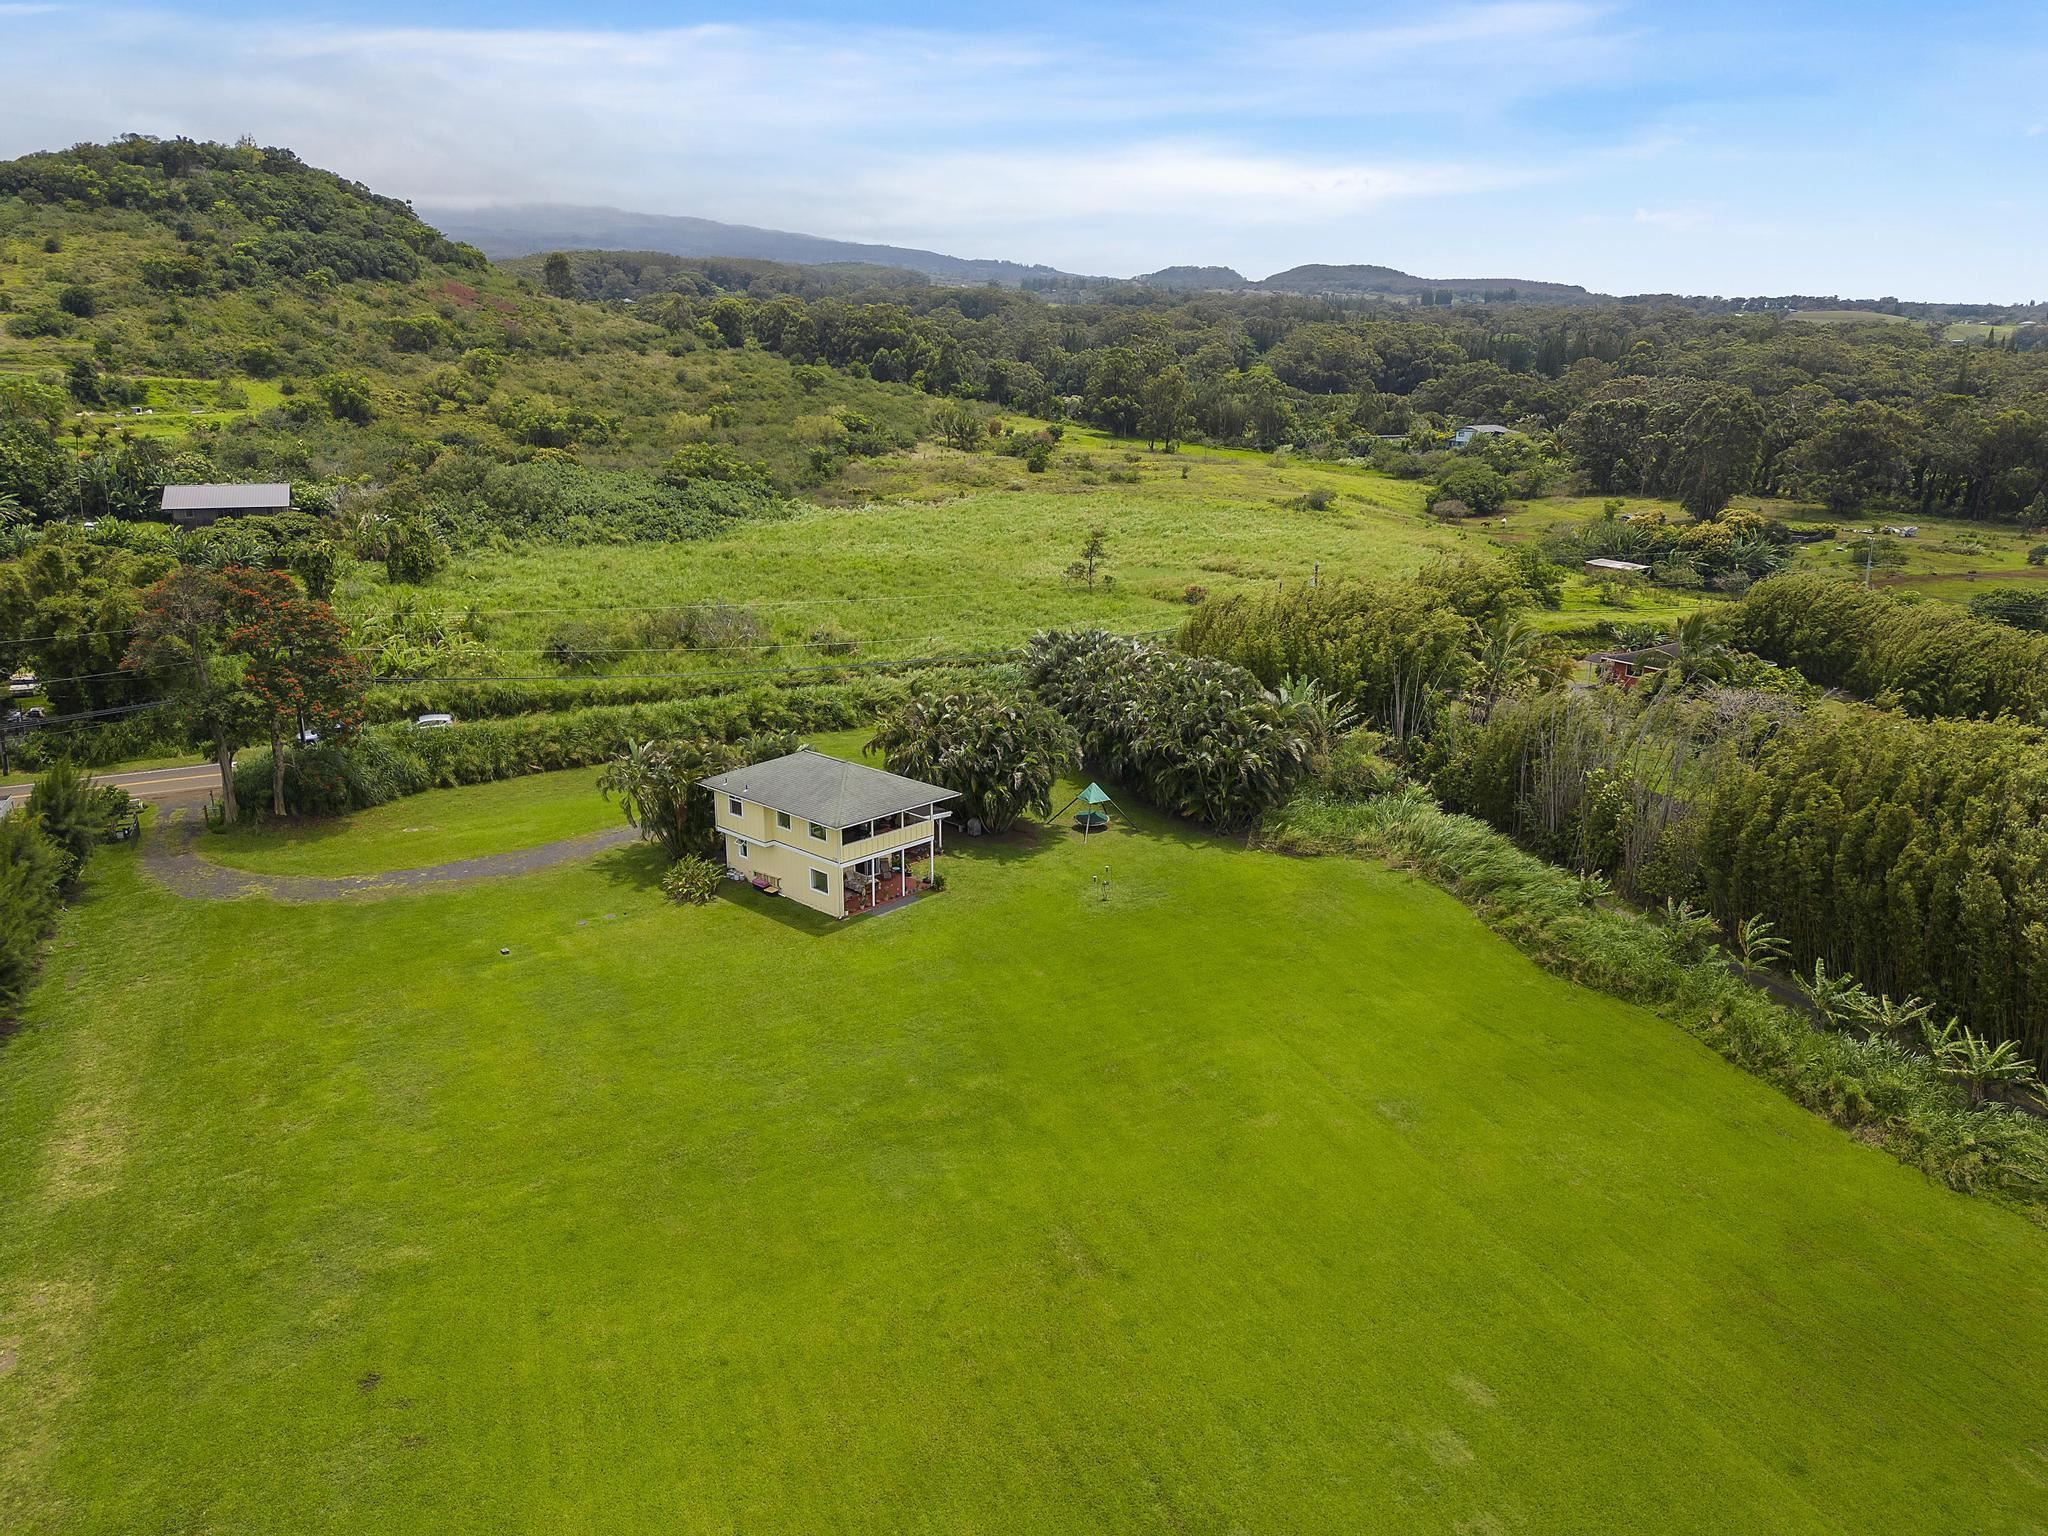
818, 830
732, 803
743, 850
782, 820
820, 881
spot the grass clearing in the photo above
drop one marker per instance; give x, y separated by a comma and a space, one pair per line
437, 827
1260, 1193
1846, 317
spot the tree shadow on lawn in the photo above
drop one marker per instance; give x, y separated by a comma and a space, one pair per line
1131, 817
780, 909
635, 866
639, 867
275, 832
1026, 840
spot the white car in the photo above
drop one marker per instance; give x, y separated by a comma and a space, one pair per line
434, 722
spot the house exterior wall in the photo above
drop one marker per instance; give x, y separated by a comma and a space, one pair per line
787, 855
749, 821
206, 517
759, 822
757, 842
791, 871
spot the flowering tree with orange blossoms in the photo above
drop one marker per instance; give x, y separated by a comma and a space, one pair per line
301, 671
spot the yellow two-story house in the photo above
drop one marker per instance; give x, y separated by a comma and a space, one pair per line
839, 837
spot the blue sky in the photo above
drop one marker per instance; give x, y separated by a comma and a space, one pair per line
1861, 149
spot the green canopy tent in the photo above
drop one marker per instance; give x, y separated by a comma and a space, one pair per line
1093, 817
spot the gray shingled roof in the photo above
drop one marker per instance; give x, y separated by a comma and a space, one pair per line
224, 498
827, 790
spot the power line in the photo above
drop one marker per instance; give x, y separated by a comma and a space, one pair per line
51, 722
76, 634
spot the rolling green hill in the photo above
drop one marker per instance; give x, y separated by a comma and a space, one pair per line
228, 288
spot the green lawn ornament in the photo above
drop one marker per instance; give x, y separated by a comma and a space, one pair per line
1095, 808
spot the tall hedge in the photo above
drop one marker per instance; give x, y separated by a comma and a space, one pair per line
391, 760
1939, 660
1911, 853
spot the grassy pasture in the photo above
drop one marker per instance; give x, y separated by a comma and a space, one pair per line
176, 406
1846, 317
1945, 556
1261, 1194
1979, 330
949, 551
912, 576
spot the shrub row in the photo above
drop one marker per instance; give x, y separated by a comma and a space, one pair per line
390, 702
390, 761
32, 872
146, 733
1395, 648
1883, 1092
44, 844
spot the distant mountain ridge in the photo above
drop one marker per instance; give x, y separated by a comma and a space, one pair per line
1317, 278
531, 228
1183, 279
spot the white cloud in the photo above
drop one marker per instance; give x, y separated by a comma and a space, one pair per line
1136, 207
1680, 219
909, 136
1557, 138
1515, 25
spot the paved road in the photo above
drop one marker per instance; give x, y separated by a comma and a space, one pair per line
154, 786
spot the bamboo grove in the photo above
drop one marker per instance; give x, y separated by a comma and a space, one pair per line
1895, 843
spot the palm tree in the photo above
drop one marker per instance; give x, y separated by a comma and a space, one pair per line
1698, 655
1320, 715
1508, 647
1897, 1018
656, 782
1690, 931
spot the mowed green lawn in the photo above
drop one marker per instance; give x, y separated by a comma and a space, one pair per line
437, 827
1258, 1194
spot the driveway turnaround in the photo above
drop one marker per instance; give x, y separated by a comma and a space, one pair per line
169, 854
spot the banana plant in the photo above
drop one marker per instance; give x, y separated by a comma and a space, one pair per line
1981, 1067
1837, 999
1757, 945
